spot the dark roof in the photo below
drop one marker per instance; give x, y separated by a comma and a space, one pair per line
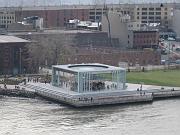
150, 31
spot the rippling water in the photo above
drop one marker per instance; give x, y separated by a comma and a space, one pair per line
21, 116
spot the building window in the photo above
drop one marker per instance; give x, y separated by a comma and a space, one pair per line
151, 17
144, 17
157, 21
158, 18
98, 18
151, 22
151, 9
98, 13
158, 9
144, 8
137, 13
158, 13
151, 13
165, 13
144, 21
138, 17
92, 17
92, 13
144, 13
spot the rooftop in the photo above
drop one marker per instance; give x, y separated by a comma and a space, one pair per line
11, 39
90, 67
53, 31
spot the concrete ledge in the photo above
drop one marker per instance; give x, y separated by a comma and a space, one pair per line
79, 101
166, 94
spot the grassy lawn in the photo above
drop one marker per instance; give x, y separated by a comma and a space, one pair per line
161, 78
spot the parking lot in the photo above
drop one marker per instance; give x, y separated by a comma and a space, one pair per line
170, 52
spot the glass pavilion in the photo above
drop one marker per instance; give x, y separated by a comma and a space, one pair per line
88, 77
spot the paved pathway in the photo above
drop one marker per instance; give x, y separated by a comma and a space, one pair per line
131, 87
148, 87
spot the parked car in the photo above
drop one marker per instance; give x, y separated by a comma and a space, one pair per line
178, 61
164, 52
178, 49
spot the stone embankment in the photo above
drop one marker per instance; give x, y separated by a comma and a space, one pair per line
166, 94
17, 92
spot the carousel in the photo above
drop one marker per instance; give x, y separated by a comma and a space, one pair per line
92, 77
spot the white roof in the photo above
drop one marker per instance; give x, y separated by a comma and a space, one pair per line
89, 67
153, 24
11, 39
94, 25
84, 23
73, 21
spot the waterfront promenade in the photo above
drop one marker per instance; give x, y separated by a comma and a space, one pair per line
133, 94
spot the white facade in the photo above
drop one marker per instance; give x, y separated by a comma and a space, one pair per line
39, 23
118, 27
6, 17
152, 13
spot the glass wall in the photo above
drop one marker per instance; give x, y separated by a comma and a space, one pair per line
65, 80
113, 80
68, 81
89, 81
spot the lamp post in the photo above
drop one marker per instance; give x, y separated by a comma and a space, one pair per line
20, 60
168, 53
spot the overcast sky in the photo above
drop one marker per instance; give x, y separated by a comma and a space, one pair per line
58, 2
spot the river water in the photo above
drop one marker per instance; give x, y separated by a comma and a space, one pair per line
22, 116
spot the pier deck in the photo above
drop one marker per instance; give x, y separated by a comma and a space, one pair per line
130, 95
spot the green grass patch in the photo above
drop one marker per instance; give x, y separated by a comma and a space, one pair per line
161, 78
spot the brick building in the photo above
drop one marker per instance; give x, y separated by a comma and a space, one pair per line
143, 39
75, 46
13, 55
112, 56
57, 16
